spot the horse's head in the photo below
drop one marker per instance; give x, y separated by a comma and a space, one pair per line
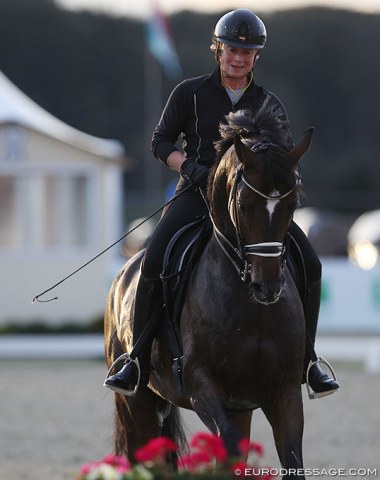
262, 200
258, 183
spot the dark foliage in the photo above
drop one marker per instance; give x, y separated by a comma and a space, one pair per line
93, 72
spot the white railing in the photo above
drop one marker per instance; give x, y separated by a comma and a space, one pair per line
349, 348
365, 349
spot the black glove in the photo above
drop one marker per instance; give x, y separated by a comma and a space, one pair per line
195, 173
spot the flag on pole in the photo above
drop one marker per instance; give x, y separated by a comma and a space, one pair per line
161, 45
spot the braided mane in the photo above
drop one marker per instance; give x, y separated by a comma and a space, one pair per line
268, 124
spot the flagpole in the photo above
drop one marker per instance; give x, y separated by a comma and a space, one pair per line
160, 58
153, 83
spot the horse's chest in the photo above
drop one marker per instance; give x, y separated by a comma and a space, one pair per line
249, 368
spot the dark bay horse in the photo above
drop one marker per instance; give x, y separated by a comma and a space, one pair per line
242, 323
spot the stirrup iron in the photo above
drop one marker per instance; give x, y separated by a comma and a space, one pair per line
127, 359
313, 395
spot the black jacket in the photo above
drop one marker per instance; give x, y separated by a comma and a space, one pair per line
194, 111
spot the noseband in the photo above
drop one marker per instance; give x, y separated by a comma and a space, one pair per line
237, 255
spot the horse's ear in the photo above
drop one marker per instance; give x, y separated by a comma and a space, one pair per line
243, 152
302, 146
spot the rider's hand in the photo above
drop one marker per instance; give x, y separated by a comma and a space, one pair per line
195, 173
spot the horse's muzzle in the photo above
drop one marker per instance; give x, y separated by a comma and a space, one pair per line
265, 296
266, 292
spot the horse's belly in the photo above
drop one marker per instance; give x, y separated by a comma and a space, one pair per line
242, 404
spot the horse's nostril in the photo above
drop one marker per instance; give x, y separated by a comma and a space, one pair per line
264, 293
257, 287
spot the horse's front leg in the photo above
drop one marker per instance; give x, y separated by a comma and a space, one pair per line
208, 402
286, 418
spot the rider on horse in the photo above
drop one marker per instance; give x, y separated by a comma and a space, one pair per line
194, 111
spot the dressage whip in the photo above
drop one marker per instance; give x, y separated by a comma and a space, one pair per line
36, 298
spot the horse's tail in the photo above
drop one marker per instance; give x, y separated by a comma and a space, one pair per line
120, 437
133, 424
173, 429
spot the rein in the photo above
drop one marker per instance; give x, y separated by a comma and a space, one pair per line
237, 254
37, 297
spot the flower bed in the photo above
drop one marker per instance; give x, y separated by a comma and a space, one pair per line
207, 459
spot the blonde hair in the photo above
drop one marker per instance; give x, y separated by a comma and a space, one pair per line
215, 48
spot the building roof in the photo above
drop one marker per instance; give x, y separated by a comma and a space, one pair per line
17, 107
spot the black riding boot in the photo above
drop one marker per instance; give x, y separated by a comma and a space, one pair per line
147, 313
318, 380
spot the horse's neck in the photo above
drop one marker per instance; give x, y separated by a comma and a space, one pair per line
220, 198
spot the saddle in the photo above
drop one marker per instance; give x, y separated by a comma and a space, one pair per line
181, 256
180, 259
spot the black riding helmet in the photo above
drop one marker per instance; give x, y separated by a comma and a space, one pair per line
241, 28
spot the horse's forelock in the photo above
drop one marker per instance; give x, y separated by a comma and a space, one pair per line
267, 124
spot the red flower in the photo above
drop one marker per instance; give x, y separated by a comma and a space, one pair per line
120, 463
210, 444
246, 446
86, 469
155, 449
194, 461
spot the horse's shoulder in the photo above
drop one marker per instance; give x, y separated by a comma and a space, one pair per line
129, 270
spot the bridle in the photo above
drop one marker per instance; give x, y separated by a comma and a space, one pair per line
238, 254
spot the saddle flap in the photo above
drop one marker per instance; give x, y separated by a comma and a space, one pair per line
180, 257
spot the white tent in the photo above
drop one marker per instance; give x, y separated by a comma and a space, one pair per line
60, 204
16, 107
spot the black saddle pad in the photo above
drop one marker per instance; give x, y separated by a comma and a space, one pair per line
182, 254
296, 265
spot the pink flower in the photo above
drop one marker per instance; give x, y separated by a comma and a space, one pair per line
120, 463
246, 446
207, 450
155, 449
210, 444
86, 469
194, 461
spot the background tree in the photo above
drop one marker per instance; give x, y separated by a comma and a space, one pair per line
89, 70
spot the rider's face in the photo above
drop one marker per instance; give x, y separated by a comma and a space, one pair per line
237, 62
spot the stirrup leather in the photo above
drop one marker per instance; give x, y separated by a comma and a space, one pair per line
312, 395
127, 359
